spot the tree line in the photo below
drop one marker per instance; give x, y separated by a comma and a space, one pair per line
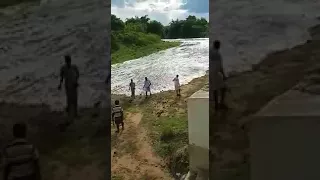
140, 31
191, 27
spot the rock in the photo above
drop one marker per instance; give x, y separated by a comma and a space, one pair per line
159, 113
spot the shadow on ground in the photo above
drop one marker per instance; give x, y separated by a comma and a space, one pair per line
65, 152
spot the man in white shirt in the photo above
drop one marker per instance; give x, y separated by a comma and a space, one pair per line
177, 85
217, 76
147, 86
132, 87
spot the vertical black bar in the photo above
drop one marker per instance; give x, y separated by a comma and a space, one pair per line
36, 38
108, 82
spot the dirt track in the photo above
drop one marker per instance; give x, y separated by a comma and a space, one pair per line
133, 156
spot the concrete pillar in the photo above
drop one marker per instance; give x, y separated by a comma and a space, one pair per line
198, 127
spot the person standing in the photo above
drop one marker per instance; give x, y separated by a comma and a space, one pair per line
177, 85
21, 158
132, 87
217, 76
147, 86
117, 115
69, 73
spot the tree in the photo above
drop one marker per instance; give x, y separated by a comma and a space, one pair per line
155, 27
116, 23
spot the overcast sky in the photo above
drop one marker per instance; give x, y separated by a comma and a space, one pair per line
160, 10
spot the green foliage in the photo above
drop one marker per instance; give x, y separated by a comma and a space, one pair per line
192, 27
140, 36
173, 133
116, 23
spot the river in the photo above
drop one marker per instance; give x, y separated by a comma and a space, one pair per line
189, 60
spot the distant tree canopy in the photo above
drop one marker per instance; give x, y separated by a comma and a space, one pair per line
191, 27
142, 31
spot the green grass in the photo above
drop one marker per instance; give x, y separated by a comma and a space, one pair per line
171, 134
126, 53
117, 177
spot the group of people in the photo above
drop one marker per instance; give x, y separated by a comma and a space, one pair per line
147, 86
117, 110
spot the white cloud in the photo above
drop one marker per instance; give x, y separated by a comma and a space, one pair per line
161, 10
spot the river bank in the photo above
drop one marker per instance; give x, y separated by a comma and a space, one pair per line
126, 53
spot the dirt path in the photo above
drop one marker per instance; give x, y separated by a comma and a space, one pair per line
132, 156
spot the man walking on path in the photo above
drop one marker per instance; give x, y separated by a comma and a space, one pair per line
217, 77
177, 85
147, 86
117, 115
69, 73
20, 158
132, 87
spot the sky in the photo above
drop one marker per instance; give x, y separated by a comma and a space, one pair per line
161, 10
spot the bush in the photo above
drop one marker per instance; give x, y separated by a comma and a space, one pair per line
167, 134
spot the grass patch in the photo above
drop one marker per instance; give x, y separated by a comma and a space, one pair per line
170, 134
117, 177
126, 53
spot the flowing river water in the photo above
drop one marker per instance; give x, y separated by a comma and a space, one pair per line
189, 60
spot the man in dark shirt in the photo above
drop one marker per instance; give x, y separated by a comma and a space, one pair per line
217, 76
69, 73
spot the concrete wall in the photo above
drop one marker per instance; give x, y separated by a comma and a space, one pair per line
198, 126
284, 139
285, 148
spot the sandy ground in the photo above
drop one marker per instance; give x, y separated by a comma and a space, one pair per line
132, 154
